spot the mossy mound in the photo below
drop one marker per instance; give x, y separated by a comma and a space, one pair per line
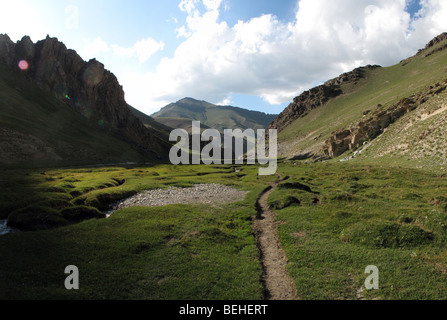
81, 213
285, 202
35, 218
38, 217
380, 234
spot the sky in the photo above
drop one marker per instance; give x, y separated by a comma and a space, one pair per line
254, 54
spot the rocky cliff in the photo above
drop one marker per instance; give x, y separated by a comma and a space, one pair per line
87, 87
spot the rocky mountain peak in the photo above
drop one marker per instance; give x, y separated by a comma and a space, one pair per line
87, 87
6, 48
352, 76
442, 37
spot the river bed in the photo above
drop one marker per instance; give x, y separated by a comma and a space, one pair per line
210, 194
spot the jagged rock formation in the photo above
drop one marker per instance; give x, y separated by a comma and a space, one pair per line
87, 87
343, 140
316, 97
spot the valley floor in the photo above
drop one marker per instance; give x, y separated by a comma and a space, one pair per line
333, 221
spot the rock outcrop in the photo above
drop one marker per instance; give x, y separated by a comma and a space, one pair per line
437, 40
87, 87
316, 97
376, 122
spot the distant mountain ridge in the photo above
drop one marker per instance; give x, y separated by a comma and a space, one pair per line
181, 113
87, 87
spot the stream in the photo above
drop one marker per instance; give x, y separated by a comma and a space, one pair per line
4, 229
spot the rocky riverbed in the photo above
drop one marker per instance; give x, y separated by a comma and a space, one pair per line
212, 194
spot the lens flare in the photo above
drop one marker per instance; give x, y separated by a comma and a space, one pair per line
23, 65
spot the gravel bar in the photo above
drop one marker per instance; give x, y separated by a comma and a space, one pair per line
212, 194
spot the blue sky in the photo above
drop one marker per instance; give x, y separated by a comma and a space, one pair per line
255, 54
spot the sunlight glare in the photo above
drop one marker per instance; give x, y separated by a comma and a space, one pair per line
23, 65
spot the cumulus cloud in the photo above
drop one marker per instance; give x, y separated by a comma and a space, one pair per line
142, 50
92, 48
430, 20
18, 18
277, 60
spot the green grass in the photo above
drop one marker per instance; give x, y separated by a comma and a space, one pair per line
172, 252
390, 217
335, 219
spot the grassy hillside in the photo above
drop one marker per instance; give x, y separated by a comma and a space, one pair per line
161, 129
216, 117
38, 130
180, 123
380, 88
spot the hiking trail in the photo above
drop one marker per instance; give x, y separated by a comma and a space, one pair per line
278, 285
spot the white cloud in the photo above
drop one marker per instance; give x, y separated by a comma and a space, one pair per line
431, 20
95, 47
18, 18
276, 60
225, 102
212, 5
188, 5
143, 49
181, 32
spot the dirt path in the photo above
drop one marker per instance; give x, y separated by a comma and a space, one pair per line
277, 283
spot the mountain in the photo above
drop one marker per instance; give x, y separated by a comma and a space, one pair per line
160, 129
389, 114
38, 130
181, 114
45, 87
